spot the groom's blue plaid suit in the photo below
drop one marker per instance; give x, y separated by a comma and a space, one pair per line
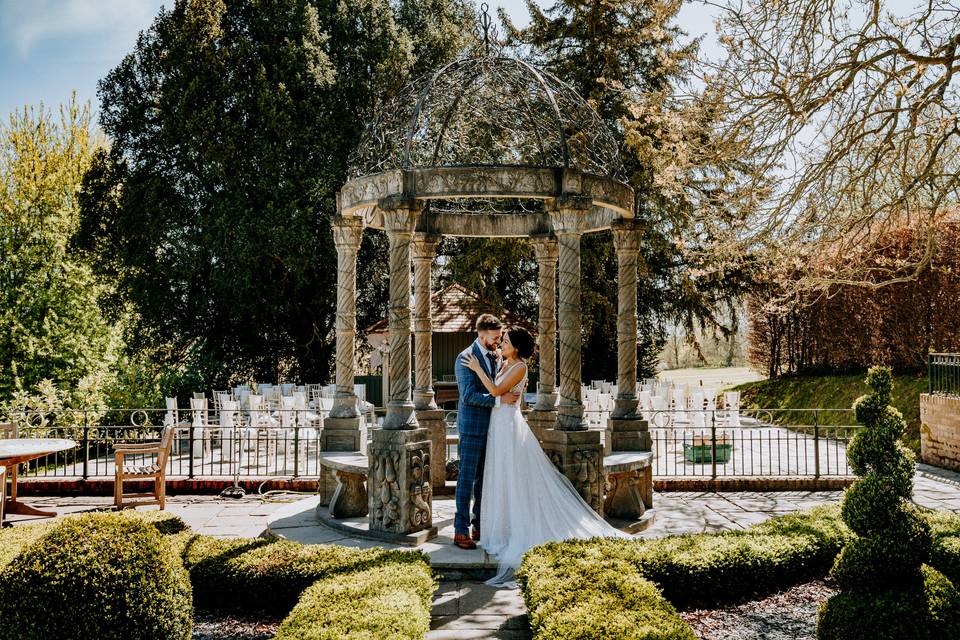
473, 421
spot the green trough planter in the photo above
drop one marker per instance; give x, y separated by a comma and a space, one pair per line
701, 451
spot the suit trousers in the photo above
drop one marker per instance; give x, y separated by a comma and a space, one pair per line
472, 451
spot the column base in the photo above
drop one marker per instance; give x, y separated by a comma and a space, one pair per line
627, 434
432, 420
541, 420
401, 498
579, 456
571, 418
400, 417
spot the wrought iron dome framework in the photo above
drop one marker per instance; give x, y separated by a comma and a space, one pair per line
491, 136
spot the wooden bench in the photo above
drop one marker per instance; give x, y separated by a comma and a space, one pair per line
629, 479
350, 497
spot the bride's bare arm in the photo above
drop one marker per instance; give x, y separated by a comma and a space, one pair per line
496, 389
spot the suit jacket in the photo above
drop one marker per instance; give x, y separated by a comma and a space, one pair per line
473, 415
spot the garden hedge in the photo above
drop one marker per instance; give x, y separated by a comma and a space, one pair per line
388, 601
96, 577
13, 540
271, 575
929, 613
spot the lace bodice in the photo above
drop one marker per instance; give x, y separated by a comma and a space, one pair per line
503, 374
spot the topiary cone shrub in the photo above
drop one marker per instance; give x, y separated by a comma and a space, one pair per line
97, 577
886, 592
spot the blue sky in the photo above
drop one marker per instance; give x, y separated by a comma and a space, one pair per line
49, 48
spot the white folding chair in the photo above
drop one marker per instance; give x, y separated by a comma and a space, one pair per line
731, 402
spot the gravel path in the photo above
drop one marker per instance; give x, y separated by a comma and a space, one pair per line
215, 626
790, 615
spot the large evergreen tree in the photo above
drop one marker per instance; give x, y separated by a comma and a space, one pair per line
232, 124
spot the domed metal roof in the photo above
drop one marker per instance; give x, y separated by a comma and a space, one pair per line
489, 111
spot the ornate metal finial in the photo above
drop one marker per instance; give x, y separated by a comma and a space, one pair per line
487, 30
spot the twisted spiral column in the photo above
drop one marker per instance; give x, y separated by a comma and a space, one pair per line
399, 223
567, 224
546, 251
424, 249
347, 233
626, 242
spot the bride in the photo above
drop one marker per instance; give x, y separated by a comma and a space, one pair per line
526, 500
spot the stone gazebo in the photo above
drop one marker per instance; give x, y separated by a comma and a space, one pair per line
485, 147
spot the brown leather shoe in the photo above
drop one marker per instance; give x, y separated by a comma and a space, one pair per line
464, 542
475, 534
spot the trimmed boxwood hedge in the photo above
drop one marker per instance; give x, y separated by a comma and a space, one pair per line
929, 613
577, 592
388, 601
13, 540
945, 550
96, 577
270, 575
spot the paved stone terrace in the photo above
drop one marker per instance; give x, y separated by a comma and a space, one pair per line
465, 608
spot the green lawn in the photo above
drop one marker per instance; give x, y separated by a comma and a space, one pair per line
834, 392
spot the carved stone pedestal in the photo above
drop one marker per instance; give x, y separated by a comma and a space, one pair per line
540, 420
627, 434
401, 498
338, 434
579, 456
432, 420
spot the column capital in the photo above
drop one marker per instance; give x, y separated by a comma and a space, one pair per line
545, 248
569, 215
424, 245
626, 236
347, 232
399, 214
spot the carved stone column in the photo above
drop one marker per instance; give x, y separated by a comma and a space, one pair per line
574, 450
429, 416
626, 431
399, 221
347, 233
424, 248
544, 414
399, 455
342, 429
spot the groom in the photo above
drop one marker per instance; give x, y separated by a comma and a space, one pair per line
473, 420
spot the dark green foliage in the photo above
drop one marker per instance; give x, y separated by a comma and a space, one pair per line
388, 601
231, 125
879, 572
270, 575
97, 577
930, 611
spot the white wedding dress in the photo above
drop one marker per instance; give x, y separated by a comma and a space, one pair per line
526, 500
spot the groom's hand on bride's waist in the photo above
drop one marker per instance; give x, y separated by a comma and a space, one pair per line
510, 398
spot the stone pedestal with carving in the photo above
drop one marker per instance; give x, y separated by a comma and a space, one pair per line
399, 482
627, 434
432, 420
579, 456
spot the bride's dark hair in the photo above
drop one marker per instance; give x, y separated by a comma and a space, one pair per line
522, 341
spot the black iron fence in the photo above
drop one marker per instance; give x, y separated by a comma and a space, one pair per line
286, 443
943, 373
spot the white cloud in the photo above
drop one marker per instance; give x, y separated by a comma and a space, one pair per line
27, 23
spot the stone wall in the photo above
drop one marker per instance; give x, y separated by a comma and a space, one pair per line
940, 430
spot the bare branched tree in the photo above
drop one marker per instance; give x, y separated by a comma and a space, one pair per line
855, 110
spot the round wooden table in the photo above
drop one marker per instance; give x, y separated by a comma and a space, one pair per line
19, 450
